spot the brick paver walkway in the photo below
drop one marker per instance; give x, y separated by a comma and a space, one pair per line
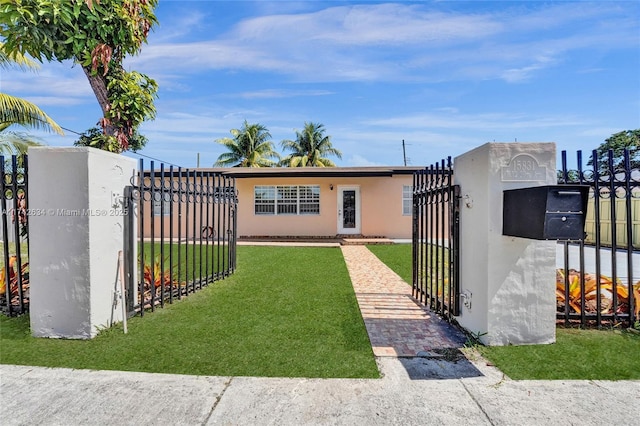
396, 323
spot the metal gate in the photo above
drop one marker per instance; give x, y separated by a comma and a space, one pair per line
14, 235
436, 236
598, 278
180, 233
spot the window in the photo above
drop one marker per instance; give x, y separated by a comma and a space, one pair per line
287, 200
264, 199
309, 199
407, 200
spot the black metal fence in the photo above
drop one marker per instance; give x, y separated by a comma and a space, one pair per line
186, 239
436, 235
599, 281
14, 274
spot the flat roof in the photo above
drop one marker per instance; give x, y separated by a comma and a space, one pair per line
271, 172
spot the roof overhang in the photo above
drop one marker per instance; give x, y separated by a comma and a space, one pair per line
280, 172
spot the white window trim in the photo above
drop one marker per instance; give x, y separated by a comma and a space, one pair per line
298, 200
410, 198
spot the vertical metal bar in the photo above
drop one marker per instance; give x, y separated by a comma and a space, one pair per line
614, 235
438, 241
208, 227
25, 187
565, 245
152, 220
180, 195
629, 199
567, 294
598, 242
216, 235
162, 272
130, 240
432, 220
143, 190
583, 307
424, 242
235, 223
218, 229
224, 223
16, 227
170, 194
456, 248
449, 235
193, 240
414, 236
186, 232
436, 238
201, 198
5, 234
441, 235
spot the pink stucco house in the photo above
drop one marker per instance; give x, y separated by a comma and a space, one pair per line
324, 202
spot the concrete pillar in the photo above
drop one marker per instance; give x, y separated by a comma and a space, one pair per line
76, 228
508, 283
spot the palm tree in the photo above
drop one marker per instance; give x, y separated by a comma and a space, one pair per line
249, 147
310, 148
18, 111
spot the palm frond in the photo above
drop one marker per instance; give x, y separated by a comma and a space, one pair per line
18, 111
16, 59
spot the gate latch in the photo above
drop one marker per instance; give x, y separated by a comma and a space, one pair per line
466, 299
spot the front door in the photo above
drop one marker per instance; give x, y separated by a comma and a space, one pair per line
348, 210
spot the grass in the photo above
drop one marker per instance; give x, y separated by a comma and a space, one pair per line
395, 256
280, 315
215, 258
577, 354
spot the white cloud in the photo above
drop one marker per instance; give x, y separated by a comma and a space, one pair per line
483, 121
399, 42
281, 93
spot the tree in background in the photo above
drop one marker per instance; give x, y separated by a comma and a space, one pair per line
17, 111
618, 142
95, 139
97, 35
249, 147
310, 149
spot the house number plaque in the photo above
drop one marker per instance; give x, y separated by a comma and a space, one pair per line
524, 168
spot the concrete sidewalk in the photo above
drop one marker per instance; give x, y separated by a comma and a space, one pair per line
43, 396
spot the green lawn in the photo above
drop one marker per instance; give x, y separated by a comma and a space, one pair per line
577, 354
395, 256
188, 260
286, 312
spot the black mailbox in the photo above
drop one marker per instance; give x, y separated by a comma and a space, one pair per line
545, 212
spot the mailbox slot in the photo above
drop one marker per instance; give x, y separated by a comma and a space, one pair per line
545, 212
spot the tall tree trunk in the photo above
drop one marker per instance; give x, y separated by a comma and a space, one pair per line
98, 84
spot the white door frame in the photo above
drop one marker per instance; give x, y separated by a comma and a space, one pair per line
341, 228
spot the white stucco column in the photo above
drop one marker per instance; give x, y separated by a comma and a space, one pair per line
509, 282
76, 227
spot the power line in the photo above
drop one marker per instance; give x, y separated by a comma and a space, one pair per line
72, 131
154, 159
129, 152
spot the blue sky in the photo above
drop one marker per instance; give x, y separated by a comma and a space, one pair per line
445, 76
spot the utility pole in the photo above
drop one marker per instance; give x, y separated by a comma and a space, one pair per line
198, 161
404, 153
